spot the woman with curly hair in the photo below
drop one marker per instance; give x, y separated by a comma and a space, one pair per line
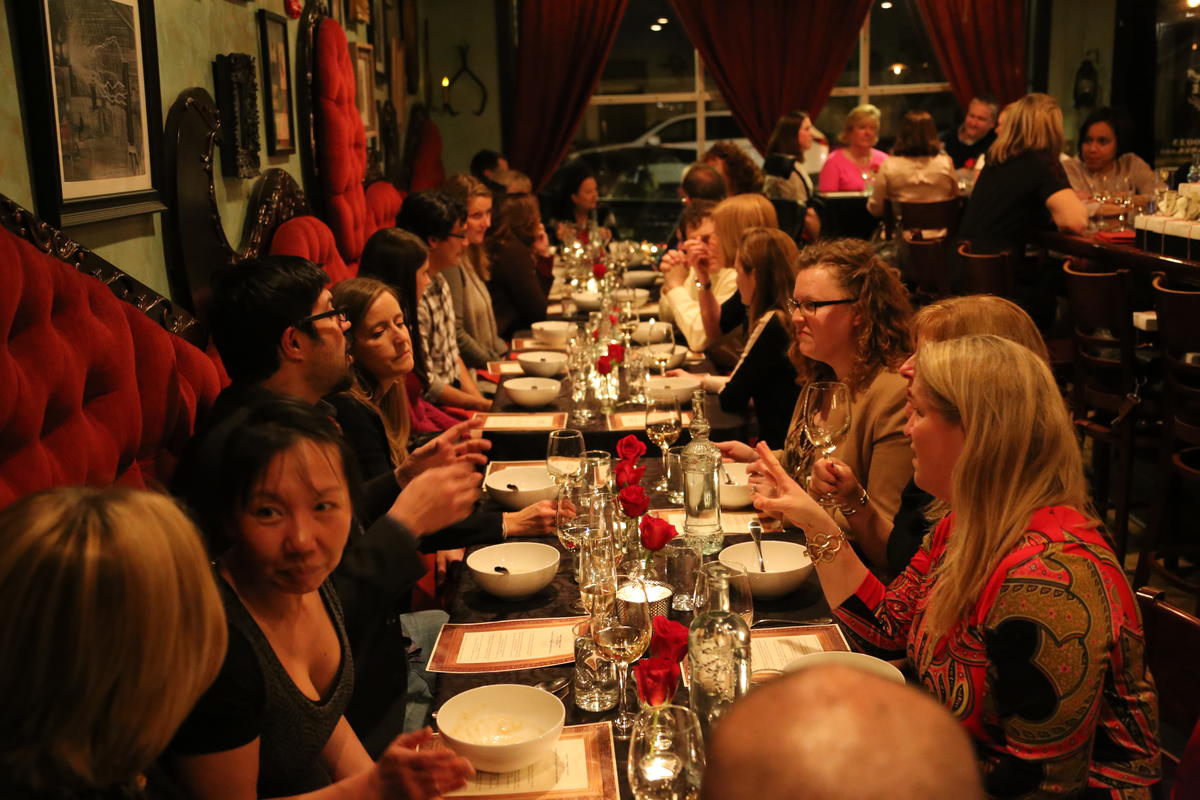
850, 320
515, 246
741, 175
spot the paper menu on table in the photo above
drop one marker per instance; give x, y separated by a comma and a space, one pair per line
583, 766
505, 368
504, 646
775, 648
524, 422
530, 343
636, 420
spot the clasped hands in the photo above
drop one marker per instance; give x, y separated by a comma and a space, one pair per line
776, 493
693, 254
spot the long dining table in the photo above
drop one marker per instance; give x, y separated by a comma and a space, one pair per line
466, 602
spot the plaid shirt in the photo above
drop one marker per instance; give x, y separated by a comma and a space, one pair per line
436, 323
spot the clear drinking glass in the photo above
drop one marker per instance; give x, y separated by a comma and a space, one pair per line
666, 754
594, 682
675, 474
663, 426
597, 572
564, 454
622, 635
741, 601
597, 469
826, 420
683, 565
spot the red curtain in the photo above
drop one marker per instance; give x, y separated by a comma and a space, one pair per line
980, 45
769, 57
561, 50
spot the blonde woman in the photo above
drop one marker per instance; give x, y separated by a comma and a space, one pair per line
847, 169
699, 277
1015, 613
478, 339
110, 629
1023, 189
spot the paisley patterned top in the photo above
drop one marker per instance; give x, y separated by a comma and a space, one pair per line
1047, 671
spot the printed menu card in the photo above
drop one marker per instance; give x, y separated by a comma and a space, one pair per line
505, 645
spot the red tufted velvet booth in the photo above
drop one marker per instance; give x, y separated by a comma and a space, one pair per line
383, 204
310, 238
342, 152
93, 391
427, 170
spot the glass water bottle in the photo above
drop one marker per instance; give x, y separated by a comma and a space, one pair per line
718, 653
701, 484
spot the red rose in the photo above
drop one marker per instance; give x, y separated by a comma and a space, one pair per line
670, 639
616, 352
656, 532
657, 680
614, 319
630, 448
628, 473
604, 365
599, 270
634, 500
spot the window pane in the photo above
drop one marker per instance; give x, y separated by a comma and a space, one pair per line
648, 61
941, 106
833, 116
900, 49
849, 76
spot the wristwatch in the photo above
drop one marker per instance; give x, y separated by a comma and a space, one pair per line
703, 286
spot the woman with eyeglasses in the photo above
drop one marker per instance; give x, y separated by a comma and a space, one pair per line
850, 322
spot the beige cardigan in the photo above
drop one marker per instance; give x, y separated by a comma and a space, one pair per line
875, 448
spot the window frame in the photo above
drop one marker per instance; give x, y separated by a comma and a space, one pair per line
864, 89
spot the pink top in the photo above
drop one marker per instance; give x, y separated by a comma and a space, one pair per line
840, 174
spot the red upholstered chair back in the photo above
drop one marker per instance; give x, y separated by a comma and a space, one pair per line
383, 204
427, 169
94, 391
342, 143
310, 238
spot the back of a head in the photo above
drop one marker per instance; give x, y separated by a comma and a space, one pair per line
918, 136
253, 302
110, 629
483, 162
517, 219
514, 181
828, 733
976, 315
1033, 123
733, 215
785, 138
744, 175
430, 214
703, 182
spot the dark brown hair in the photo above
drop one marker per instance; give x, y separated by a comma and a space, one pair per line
770, 255
785, 138
744, 176
516, 220
918, 136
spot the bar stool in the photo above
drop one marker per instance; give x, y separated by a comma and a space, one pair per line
986, 273
1107, 376
1179, 333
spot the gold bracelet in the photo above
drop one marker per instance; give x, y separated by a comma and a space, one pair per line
824, 546
849, 509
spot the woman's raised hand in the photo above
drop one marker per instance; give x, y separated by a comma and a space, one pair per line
535, 520
407, 773
790, 502
458, 443
832, 476
736, 451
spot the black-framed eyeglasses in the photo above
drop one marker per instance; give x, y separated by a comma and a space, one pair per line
810, 307
309, 320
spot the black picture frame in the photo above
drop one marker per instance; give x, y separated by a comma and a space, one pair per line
278, 99
93, 113
236, 81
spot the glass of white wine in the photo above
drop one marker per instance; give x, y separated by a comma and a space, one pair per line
597, 572
660, 345
663, 426
826, 420
564, 455
622, 634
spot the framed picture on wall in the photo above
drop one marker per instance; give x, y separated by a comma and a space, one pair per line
363, 56
277, 83
94, 122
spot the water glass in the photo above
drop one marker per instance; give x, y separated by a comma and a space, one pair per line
683, 563
675, 474
666, 754
564, 454
741, 601
597, 469
594, 682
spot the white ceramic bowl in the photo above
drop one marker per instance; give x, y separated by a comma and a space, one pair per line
641, 333
787, 565
639, 296
587, 301
518, 487
678, 354
542, 363
468, 720
531, 566
553, 331
532, 392
641, 278
736, 494
682, 388
871, 664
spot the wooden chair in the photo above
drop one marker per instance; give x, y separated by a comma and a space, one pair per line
1170, 532
1107, 374
986, 273
1172, 653
943, 215
925, 266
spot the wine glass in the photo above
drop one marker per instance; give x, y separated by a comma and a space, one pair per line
622, 634
660, 344
564, 455
628, 316
826, 420
741, 601
597, 572
666, 754
663, 425
577, 518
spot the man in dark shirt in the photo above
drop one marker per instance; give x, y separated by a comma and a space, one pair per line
970, 140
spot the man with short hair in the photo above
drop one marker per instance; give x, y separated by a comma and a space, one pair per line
441, 222
484, 166
972, 139
702, 182
832, 732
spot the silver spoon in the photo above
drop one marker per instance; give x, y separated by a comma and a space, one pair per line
554, 686
756, 534
725, 475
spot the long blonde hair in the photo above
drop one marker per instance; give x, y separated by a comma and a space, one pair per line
1035, 122
1019, 454
733, 215
354, 297
110, 630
